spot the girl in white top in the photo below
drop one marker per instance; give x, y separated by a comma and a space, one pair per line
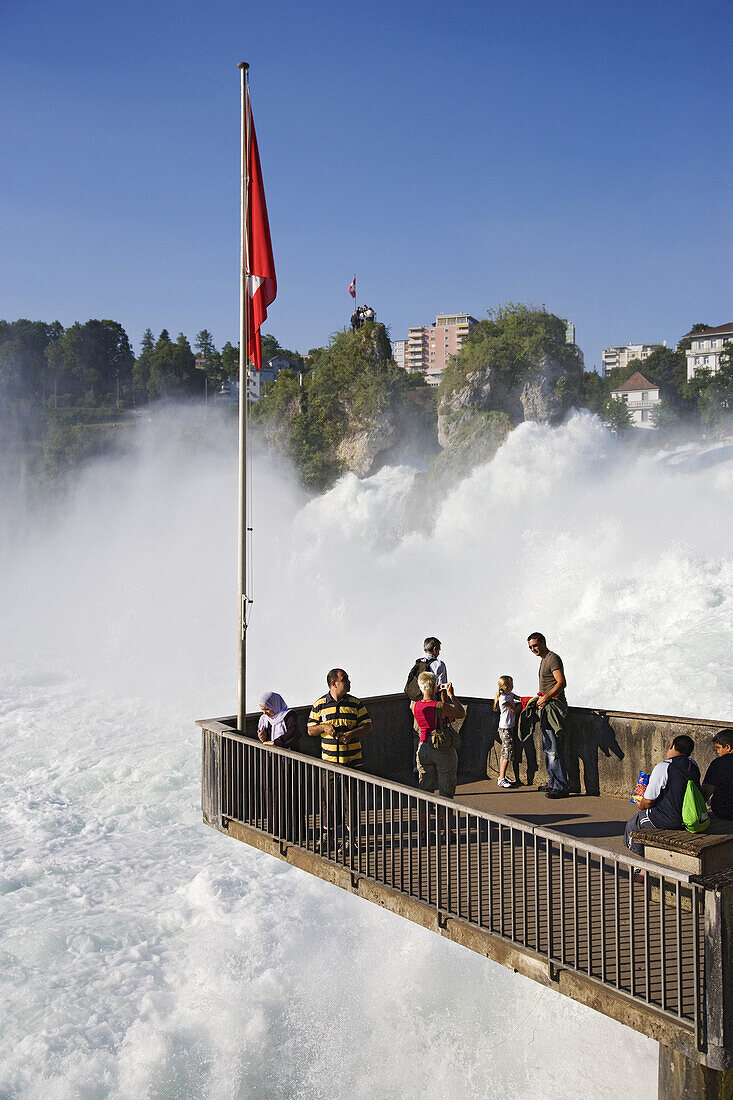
509, 706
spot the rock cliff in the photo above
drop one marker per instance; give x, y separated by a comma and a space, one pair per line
541, 392
357, 410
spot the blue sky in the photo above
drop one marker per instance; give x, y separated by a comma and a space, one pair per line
573, 154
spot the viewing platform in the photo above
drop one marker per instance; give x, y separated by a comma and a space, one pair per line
544, 887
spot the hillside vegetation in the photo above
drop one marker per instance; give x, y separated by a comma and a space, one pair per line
69, 394
346, 410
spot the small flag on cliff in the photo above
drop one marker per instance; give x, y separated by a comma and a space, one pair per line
352, 287
259, 263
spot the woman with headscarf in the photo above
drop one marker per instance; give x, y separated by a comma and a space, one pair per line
278, 726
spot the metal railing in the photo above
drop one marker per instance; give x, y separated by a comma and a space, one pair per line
616, 919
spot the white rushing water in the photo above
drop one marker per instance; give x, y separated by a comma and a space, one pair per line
144, 955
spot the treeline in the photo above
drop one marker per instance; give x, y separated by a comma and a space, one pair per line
67, 394
70, 393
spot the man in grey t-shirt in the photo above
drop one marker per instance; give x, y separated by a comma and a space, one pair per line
552, 691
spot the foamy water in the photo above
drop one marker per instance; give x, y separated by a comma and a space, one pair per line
144, 955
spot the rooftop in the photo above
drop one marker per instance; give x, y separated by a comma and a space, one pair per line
636, 382
712, 331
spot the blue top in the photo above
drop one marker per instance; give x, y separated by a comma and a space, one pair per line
666, 813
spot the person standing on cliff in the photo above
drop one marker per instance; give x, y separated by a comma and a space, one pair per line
550, 706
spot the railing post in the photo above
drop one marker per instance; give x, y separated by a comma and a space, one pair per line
711, 1077
211, 775
718, 996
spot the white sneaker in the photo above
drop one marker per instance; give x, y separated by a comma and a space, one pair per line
503, 783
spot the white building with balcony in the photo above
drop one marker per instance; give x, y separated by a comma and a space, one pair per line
706, 347
641, 396
622, 354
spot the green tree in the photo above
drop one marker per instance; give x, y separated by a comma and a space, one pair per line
141, 370
206, 351
514, 340
715, 399
93, 360
667, 367
355, 380
23, 362
173, 368
230, 360
616, 416
686, 341
594, 391
665, 416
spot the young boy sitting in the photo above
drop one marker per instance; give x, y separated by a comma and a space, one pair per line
718, 782
661, 808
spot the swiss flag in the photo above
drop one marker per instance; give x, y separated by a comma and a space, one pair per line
260, 266
352, 287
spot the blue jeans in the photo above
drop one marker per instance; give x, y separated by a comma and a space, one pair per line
634, 825
556, 775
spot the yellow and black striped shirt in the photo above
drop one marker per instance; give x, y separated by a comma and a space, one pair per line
346, 714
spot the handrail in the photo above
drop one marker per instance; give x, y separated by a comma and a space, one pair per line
608, 712
451, 804
574, 904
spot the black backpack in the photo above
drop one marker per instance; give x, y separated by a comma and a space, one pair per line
412, 688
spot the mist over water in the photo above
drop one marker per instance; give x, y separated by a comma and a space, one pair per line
142, 954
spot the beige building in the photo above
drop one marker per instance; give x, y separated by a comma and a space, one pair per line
622, 354
704, 351
427, 349
641, 396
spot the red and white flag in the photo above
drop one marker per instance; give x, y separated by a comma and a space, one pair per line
260, 265
352, 287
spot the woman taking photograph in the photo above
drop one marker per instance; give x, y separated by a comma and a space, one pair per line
436, 766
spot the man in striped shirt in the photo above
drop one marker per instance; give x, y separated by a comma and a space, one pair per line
340, 720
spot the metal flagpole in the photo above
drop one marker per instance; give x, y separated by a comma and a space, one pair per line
243, 341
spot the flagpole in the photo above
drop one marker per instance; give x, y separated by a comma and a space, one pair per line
243, 342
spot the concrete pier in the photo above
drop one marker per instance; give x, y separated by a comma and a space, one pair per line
682, 1078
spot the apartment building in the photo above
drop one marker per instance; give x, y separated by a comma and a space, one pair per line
427, 348
704, 351
622, 354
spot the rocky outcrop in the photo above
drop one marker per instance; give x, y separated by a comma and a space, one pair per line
540, 393
356, 410
406, 431
359, 450
474, 418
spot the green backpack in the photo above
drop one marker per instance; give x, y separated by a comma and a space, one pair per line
695, 814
